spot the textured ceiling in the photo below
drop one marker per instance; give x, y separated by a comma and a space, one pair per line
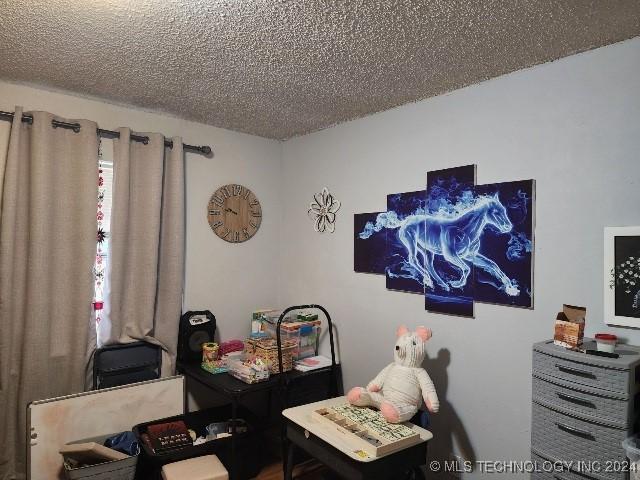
279, 68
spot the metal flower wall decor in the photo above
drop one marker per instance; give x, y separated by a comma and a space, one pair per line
323, 211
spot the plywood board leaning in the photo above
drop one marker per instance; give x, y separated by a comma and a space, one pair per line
54, 422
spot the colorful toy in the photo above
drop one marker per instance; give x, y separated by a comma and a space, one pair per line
231, 346
398, 390
209, 352
250, 369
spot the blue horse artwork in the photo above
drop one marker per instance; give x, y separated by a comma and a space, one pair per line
370, 243
511, 250
402, 272
449, 286
458, 242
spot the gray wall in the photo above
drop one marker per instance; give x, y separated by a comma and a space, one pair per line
574, 126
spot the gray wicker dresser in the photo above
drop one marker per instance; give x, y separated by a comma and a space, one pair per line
584, 406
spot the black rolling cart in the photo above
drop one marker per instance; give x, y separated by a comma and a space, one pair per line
299, 388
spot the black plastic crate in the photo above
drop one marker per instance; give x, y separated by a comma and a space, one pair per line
247, 444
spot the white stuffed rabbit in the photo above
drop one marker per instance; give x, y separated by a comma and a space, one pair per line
398, 390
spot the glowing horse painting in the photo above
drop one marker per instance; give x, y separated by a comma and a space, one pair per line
457, 240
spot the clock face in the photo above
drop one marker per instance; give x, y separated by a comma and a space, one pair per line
234, 213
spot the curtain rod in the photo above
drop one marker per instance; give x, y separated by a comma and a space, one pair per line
204, 149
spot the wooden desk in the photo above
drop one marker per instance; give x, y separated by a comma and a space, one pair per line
327, 446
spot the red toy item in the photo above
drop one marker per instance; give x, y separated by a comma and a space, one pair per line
230, 346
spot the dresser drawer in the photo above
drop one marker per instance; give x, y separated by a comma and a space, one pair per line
582, 400
565, 475
596, 376
569, 439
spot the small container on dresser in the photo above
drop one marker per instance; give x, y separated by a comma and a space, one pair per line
584, 406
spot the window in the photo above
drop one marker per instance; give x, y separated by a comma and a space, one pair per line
105, 191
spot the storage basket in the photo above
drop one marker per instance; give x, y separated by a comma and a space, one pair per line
267, 350
248, 447
124, 469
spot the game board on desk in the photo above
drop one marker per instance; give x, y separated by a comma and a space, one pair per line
366, 429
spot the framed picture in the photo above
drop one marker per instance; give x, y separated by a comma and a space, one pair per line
622, 276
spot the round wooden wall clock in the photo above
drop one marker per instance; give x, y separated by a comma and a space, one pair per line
234, 213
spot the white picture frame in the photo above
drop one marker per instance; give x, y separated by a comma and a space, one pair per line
620, 285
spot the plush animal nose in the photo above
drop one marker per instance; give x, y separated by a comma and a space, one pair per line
397, 347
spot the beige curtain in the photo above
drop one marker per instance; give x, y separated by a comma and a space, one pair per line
47, 250
146, 260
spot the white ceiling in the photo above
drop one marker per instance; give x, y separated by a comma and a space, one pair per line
279, 68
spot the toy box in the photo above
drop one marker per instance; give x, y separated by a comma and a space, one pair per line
261, 319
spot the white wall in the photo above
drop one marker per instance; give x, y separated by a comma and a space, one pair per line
230, 280
574, 126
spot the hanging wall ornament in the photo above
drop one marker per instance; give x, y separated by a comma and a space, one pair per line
101, 236
323, 211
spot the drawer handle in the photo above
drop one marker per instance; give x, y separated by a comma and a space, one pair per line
574, 370
574, 430
574, 399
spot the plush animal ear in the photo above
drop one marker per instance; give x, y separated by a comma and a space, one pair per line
424, 333
401, 331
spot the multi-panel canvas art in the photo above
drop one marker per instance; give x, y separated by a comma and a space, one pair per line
405, 225
369, 243
504, 258
455, 242
451, 236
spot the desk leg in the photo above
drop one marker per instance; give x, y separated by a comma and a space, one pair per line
288, 464
234, 418
284, 443
417, 474
285, 446
186, 395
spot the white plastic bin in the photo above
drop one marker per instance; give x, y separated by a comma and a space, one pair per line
115, 470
